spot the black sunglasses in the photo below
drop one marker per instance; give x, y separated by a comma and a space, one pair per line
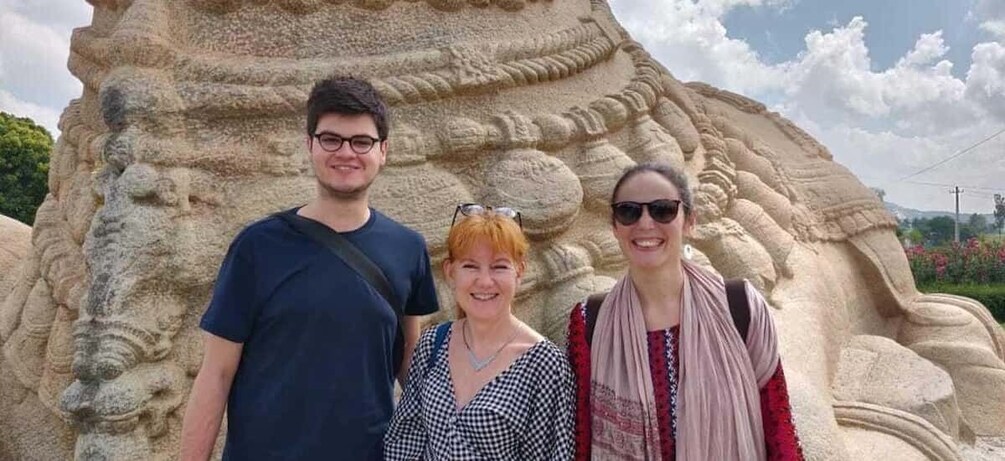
471, 209
662, 211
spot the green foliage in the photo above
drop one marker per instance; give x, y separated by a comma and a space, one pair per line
999, 212
936, 230
940, 230
24, 166
978, 224
992, 296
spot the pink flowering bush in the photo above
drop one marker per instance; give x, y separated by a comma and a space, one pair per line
975, 269
974, 262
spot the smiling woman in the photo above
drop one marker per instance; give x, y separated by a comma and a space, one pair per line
659, 351
496, 389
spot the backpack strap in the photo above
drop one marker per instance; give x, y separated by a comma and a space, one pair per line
739, 307
592, 308
736, 297
438, 341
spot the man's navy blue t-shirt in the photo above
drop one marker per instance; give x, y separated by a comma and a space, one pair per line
315, 380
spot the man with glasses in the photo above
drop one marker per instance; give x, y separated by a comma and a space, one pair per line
301, 347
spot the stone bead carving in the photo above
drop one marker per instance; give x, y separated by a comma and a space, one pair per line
598, 165
544, 189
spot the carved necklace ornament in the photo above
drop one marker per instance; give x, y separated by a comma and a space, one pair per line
473, 360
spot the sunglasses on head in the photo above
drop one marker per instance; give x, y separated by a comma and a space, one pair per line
662, 211
471, 209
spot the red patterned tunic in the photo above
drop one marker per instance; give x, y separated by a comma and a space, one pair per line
781, 440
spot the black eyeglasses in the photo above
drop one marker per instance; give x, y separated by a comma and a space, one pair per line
471, 209
662, 211
359, 144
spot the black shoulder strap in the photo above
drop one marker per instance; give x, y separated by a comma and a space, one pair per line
736, 296
356, 260
345, 250
592, 308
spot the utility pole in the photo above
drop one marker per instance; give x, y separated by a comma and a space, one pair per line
956, 227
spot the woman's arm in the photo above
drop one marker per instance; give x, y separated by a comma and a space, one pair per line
579, 360
780, 437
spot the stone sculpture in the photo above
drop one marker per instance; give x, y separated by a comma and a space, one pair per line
190, 126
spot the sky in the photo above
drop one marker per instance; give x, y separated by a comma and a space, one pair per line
898, 90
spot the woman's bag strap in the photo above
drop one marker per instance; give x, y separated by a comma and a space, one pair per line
739, 307
438, 340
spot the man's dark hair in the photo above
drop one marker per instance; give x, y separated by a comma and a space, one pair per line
346, 96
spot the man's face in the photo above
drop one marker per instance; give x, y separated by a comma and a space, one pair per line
343, 172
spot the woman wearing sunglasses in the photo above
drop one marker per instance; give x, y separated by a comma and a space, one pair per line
485, 386
661, 368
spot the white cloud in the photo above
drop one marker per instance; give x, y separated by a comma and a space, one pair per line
721, 7
833, 82
45, 116
881, 158
883, 123
927, 49
996, 28
59, 14
690, 40
990, 9
986, 78
34, 47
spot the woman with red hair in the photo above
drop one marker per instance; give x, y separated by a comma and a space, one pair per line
485, 386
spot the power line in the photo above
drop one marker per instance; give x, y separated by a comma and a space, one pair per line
968, 149
938, 184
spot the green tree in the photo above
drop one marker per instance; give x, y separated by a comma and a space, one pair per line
978, 224
24, 166
999, 212
936, 230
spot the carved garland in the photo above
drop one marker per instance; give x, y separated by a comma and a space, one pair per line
310, 6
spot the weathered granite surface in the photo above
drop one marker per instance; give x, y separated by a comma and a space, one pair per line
190, 126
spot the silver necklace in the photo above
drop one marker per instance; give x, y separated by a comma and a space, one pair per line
479, 364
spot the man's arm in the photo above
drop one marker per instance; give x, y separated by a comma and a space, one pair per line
209, 397
411, 324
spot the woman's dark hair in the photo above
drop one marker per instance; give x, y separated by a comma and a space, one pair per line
675, 176
346, 96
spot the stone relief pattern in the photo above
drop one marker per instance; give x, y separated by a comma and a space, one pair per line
311, 6
147, 198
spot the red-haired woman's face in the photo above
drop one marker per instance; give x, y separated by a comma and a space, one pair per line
484, 281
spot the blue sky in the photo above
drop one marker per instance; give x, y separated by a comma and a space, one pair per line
777, 33
891, 87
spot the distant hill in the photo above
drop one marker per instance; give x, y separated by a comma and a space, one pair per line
903, 213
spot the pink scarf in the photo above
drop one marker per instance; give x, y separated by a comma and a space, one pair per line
718, 400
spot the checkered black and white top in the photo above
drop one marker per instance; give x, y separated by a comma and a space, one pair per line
525, 413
